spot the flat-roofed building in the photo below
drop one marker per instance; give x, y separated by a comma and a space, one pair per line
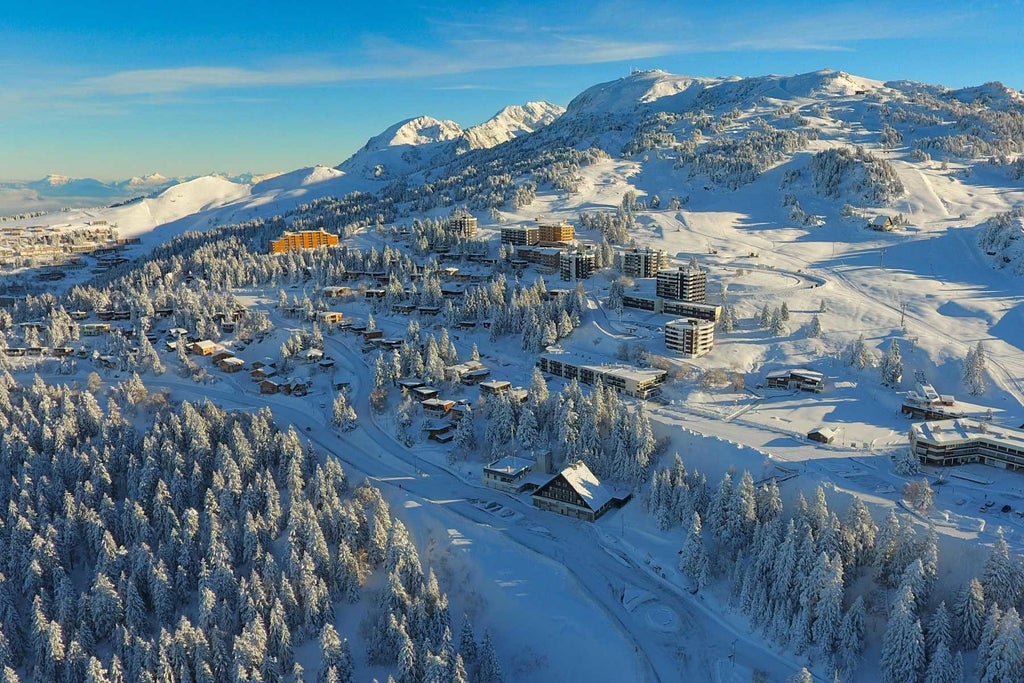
520, 234
685, 283
643, 262
463, 224
546, 257
960, 441
693, 338
625, 379
551, 233
692, 309
799, 378
304, 239
507, 474
577, 264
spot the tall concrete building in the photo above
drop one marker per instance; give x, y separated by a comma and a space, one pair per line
683, 284
520, 235
692, 338
643, 262
306, 239
463, 224
552, 233
577, 264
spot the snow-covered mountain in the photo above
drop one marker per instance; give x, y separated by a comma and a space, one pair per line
424, 142
511, 122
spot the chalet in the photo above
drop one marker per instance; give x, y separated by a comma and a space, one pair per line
204, 347
370, 335
466, 324
802, 379
14, 351
495, 386
405, 309
507, 474
390, 343
428, 310
261, 373
219, 356
456, 372
882, 223
374, 293
822, 435
231, 364
108, 362
263, 363
331, 317
78, 315
408, 383
459, 411
326, 364
335, 292
94, 329
576, 492
439, 430
518, 395
450, 292
176, 332
475, 376
436, 407
163, 312
312, 355
269, 386
227, 326
424, 393
61, 351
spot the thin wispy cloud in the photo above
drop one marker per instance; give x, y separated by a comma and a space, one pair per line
494, 42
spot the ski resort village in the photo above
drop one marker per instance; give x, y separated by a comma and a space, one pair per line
696, 379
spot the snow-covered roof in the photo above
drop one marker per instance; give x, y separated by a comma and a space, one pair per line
509, 465
947, 432
585, 483
232, 360
881, 220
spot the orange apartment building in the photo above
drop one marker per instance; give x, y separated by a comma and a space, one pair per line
555, 232
306, 239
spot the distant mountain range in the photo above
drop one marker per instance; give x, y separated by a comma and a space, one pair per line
61, 191
790, 151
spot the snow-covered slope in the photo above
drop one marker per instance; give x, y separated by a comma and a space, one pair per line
511, 122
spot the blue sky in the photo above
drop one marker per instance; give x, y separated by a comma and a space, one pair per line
115, 89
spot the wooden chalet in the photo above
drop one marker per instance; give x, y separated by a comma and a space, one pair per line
576, 492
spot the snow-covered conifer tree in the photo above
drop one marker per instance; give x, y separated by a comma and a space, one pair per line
814, 327
892, 365
969, 615
903, 656
975, 369
693, 559
1001, 576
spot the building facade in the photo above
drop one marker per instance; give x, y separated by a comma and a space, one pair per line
643, 262
575, 492
693, 338
306, 239
625, 379
520, 235
546, 257
955, 442
578, 264
463, 224
551, 233
682, 284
